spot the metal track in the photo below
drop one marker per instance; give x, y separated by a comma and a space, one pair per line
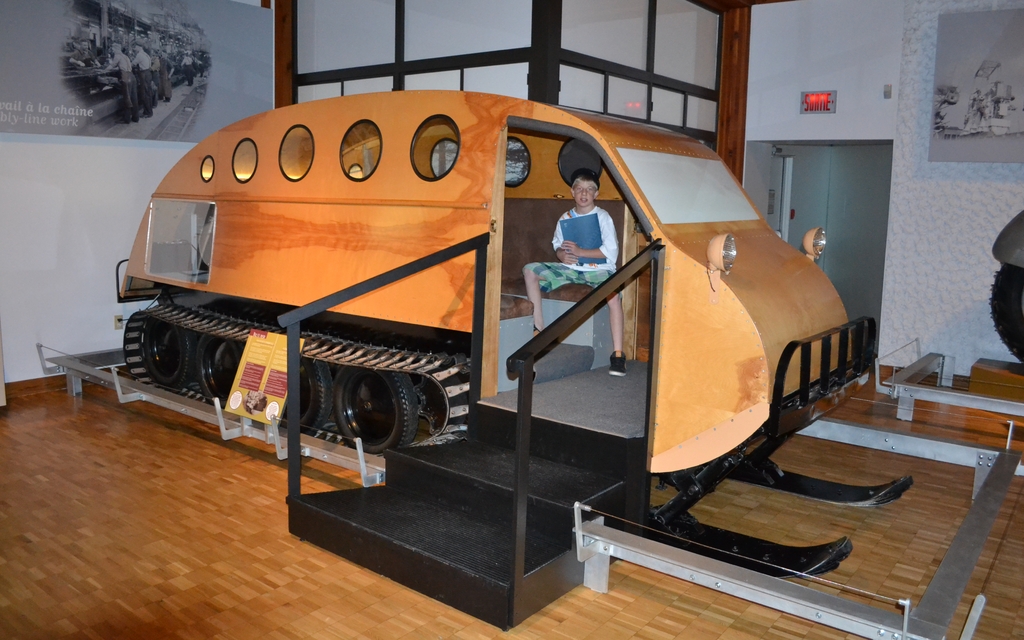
440, 368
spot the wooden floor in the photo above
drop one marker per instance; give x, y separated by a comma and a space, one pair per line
129, 521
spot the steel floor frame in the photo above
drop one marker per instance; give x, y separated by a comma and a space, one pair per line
100, 367
905, 387
993, 471
596, 544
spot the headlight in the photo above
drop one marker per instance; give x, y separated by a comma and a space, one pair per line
814, 243
722, 252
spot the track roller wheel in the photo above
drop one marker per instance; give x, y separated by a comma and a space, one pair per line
314, 394
433, 403
381, 407
162, 350
217, 363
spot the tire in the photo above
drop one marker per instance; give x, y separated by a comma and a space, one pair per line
433, 403
1008, 308
164, 351
381, 407
217, 363
314, 394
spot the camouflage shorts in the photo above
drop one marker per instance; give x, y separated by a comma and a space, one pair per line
555, 274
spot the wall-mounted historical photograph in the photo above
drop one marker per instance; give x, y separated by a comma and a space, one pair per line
173, 70
979, 75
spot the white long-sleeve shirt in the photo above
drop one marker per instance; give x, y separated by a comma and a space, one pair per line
609, 243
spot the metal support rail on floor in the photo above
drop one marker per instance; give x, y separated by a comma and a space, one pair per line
904, 387
100, 367
596, 544
914, 445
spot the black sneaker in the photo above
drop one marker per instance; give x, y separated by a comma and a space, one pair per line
617, 367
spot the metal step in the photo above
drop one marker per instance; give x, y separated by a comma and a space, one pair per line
452, 555
479, 477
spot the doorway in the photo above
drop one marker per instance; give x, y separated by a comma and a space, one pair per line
841, 187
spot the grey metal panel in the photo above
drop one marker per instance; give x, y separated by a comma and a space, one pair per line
950, 580
919, 370
960, 399
852, 617
916, 445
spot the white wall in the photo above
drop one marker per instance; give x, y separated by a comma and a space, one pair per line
852, 46
943, 216
69, 211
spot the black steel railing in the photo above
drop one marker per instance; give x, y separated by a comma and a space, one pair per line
293, 319
854, 356
522, 362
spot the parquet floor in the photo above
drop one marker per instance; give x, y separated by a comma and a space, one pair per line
129, 521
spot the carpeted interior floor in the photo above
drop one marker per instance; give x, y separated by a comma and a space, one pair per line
593, 400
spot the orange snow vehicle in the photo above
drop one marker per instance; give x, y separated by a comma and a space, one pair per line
735, 340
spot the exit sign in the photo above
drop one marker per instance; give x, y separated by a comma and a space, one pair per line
818, 101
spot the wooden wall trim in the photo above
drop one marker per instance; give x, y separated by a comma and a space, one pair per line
284, 51
3, 389
732, 104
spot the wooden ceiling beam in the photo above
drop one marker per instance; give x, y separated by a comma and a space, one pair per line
729, 5
732, 95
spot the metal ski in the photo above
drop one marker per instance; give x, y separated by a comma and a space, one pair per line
766, 473
770, 558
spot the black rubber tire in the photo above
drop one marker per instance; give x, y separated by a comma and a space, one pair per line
217, 363
381, 407
1008, 308
166, 351
132, 344
314, 394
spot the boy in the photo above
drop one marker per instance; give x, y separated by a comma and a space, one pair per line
573, 267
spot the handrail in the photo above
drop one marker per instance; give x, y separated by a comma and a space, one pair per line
522, 361
854, 358
292, 321
581, 309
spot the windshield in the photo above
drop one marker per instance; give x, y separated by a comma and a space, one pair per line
180, 241
686, 190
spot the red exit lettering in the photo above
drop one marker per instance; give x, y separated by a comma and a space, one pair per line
823, 102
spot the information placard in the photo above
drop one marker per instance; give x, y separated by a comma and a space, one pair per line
261, 383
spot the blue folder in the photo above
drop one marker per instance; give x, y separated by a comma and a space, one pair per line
585, 231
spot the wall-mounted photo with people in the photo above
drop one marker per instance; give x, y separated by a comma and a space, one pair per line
979, 72
171, 70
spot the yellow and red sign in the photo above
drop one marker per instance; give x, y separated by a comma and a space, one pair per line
261, 383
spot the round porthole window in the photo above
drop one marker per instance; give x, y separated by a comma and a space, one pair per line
296, 155
244, 160
517, 163
435, 147
576, 154
206, 169
360, 150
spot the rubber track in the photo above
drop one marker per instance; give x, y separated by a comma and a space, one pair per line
440, 367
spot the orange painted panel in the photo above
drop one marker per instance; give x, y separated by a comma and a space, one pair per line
295, 241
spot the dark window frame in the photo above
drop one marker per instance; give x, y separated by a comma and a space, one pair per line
280, 151
545, 55
255, 166
341, 150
